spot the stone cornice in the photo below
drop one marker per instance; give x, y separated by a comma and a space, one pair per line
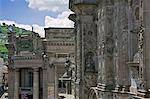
72, 3
30, 63
58, 28
86, 9
25, 57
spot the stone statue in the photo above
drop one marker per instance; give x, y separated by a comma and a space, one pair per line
67, 66
89, 62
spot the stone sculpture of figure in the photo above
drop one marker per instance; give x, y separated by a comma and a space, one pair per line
67, 65
89, 62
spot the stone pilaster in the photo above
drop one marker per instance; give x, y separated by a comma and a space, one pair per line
16, 88
45, 76
147, 44
11, 82
36, 83
106, 44
69, 89
86, 55
45, 84
121, 44
56, 83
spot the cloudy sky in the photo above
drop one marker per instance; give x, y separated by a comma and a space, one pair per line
36, 13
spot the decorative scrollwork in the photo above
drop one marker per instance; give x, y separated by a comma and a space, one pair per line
141, 39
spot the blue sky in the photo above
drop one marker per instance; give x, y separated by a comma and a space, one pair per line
36, 13
19, 11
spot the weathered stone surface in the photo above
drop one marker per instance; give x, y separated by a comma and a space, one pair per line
119, 40
146, 46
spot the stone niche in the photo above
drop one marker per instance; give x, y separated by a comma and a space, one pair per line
135, 73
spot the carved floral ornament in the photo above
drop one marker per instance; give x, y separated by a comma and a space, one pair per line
141, 39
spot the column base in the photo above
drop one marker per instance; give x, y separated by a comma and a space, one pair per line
116, 89
133, 90
148, 94
125, 89
101, 87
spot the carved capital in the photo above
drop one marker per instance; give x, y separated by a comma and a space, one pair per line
17, 69
36, 69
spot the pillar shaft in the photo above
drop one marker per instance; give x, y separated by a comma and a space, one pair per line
56, 83
69, 89
36, 84
147, 42
16, 89
11, 82
45, 84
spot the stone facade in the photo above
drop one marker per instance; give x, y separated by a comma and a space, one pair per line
59, 48
112, 47
37, 64
25, 66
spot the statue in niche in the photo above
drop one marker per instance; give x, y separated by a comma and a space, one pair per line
109, 46
89, 62
135, 72
137, 13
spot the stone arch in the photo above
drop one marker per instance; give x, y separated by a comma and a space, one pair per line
93, 93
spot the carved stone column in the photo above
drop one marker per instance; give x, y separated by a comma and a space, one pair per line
36, 83
121, 37
106, 44
16, 88
147, 44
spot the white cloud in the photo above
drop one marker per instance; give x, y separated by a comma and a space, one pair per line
36, 28
8, 22
39, 29
60, 21
49, 5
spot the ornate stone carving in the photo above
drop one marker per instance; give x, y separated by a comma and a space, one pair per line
89, 80
141, 38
